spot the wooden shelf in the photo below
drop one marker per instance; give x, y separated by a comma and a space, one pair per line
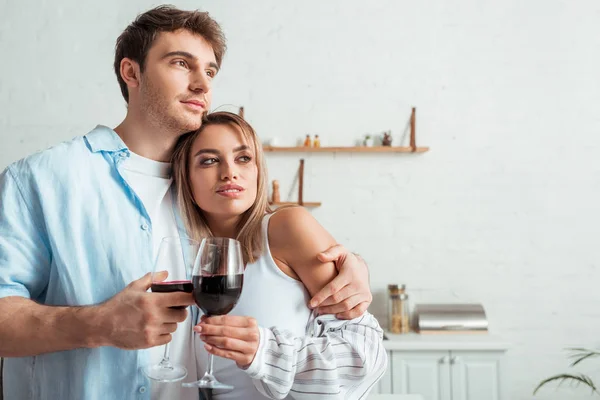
293, 203
357, 149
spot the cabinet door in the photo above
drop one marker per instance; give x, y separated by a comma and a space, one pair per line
422, 372
384, 386
476, 375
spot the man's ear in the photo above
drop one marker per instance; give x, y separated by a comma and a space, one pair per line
130, 72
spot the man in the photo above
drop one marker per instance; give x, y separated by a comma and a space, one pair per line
80, 223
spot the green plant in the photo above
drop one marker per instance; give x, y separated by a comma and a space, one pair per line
578, 355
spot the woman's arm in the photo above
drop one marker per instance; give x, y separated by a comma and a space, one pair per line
295, 241
335, 359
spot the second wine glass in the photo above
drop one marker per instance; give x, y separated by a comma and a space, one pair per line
218, 278
176, 255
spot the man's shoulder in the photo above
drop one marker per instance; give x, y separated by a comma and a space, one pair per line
53, 159
67, 159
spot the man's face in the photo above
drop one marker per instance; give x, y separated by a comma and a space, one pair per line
175, 87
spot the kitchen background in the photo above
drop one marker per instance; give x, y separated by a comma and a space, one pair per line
504, 208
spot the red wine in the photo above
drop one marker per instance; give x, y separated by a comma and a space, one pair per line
172, 286
217, 294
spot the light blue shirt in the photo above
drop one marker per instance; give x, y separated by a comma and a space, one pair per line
73, 232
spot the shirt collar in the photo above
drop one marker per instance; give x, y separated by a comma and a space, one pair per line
102, 138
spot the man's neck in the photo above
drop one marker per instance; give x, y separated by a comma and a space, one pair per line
146, 139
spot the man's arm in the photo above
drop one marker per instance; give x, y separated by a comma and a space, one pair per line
28, 328
348, 295
132, 319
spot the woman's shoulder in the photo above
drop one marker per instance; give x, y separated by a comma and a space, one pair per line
289, 222
294, 230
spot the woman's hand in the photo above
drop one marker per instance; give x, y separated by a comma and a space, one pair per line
230, 336
348, 295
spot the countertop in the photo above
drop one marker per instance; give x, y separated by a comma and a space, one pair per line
416, 341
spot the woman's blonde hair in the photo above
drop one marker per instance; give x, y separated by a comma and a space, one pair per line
249, 229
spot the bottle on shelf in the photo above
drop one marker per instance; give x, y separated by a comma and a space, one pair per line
307, 141
276, 196
316, 142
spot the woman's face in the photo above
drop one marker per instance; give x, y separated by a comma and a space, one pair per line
223, 172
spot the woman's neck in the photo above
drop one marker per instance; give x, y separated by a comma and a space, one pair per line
223, 226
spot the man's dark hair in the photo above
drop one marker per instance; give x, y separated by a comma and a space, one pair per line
137, 39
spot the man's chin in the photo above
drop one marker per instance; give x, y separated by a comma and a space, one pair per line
189, 125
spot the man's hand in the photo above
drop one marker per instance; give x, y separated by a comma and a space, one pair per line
137, 319
230, 336
348, 295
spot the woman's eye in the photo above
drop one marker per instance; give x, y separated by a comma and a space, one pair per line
245, 159
208, 161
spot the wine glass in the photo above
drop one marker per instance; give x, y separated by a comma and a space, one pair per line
218, 278
176, 255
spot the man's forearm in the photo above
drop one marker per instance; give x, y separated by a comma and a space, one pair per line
29, 329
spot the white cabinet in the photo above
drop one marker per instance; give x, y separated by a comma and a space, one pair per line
423, 372
476, 375
444, 368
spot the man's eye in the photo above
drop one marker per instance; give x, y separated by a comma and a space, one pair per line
181, 63
210, 73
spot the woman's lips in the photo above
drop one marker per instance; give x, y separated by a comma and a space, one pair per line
230, 191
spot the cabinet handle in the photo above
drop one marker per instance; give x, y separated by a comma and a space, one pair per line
454, 360
444, 360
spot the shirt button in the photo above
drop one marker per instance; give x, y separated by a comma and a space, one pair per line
142, 389
144, 227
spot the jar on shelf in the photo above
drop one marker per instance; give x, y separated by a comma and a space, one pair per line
398, 309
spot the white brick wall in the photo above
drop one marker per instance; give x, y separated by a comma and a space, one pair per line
503, 210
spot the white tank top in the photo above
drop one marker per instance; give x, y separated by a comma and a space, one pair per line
273, 299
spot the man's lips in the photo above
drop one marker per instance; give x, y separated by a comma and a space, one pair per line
195, 103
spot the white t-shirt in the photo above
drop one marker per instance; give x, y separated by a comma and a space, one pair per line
151, 181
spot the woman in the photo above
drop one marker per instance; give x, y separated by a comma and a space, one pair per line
282, 349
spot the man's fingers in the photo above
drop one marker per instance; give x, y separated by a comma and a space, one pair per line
333, 253
355, 312
341, 307
143, 283
169, 327
174, 299
164, 339
172, 315
337, 284
160, 276
343, 294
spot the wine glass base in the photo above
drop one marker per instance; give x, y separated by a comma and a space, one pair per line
208, 385
161, 373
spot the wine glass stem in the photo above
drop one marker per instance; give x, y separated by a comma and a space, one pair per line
165, 363
210, 365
